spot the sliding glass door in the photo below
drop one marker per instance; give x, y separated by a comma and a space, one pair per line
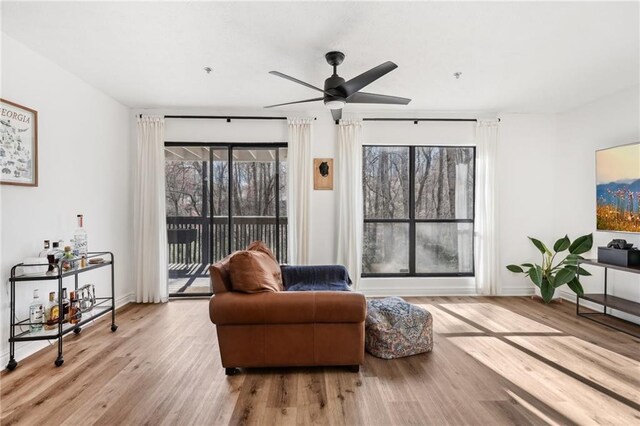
220, 198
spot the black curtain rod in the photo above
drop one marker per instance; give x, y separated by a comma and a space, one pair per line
226, 117
415, 120
258, 117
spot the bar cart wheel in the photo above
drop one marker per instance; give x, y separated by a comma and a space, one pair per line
12, 364
114, 327
77, 330
231, 371
59, 361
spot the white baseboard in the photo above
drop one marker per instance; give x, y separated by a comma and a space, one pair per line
517, 291
414, 292
26, 349
440, 291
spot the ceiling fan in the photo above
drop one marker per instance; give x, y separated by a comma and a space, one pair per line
338, 92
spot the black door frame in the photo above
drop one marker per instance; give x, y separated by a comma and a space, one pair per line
230, 146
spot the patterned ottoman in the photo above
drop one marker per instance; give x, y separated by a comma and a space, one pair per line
395, 328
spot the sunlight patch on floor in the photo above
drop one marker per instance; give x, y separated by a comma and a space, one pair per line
574, 399
497, 319
447, 323
609, 369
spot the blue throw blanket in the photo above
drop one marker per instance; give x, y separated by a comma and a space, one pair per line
316, 278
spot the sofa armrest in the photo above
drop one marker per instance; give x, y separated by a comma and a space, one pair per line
293, 307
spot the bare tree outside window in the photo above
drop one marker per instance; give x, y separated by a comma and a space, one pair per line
183, 188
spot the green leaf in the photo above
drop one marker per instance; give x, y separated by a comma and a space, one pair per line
547, 290
581, 271
535, 273
574, 256
563, 276
515, 268
575, 285
584, 272
562, 244
527, 265
582, 244
572, 259
540, 246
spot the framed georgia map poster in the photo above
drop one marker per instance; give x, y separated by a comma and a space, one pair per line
18, 144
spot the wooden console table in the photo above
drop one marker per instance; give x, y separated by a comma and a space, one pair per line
609, 301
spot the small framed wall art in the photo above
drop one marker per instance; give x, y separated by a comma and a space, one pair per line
323, 173
18, 144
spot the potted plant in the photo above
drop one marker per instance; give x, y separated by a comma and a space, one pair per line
549, 275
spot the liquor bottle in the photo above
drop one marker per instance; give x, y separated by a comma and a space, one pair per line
74, 310
52, 312
48, 253
57, 251
45, 252
36, 311
80, 240
65, 306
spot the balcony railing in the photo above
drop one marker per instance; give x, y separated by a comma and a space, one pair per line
195, 247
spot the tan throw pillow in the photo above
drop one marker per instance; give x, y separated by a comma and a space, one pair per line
260, 246
254, 272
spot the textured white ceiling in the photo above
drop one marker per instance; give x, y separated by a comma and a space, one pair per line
517, 57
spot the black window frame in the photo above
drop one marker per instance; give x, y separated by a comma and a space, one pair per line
412, 221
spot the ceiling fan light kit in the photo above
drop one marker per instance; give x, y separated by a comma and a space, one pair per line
337, 92
334, 104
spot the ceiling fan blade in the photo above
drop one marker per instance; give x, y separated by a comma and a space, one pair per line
374, 98
295, 80
356, 83
296, 102
336, 114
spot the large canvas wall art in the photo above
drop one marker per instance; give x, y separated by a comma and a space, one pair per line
18, 144
618, 188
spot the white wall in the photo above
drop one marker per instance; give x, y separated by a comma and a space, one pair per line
526, 180
609, 121
546, 185
545, 177
85, 156
323, 205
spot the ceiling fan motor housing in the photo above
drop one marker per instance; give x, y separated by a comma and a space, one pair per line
330, 86
334, 58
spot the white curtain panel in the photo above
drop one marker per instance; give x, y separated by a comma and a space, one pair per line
300, 171
487, 135
150, 220
348, 180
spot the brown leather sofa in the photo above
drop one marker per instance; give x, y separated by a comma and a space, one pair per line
306, 328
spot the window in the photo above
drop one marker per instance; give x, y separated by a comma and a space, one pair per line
418, 210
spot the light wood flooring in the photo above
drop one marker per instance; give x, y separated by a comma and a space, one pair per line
495, 361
